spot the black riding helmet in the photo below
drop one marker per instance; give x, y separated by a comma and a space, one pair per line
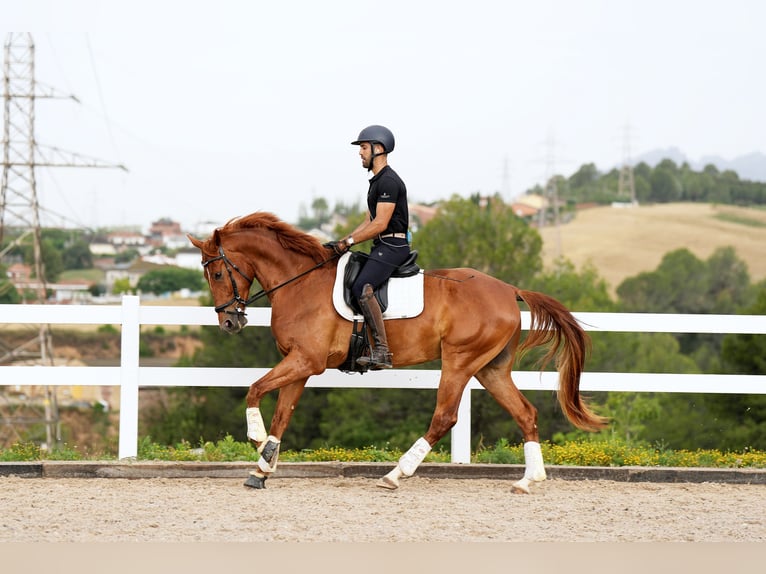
376, 135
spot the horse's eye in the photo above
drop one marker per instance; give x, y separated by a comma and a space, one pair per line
217, 275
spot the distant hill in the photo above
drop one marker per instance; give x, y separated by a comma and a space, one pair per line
623, 242
751, 166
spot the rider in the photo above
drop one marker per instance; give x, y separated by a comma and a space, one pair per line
387, 226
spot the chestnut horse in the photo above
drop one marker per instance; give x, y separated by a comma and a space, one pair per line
470, 321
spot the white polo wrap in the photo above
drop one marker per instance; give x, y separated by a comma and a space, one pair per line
412, 458
256, 430
533, 458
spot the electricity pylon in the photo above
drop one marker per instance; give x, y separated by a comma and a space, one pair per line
626, 185
20, 210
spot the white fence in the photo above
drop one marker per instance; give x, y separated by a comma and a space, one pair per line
129, 376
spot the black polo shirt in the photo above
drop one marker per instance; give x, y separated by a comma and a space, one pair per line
387, 187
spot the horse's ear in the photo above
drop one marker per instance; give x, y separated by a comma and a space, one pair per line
196, 242
217, 237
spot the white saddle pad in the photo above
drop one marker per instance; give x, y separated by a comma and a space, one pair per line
405, 295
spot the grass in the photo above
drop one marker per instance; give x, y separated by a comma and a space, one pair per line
622, 243
94, 275
734, 218
573, 453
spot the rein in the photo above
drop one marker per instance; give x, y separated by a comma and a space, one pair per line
237, 298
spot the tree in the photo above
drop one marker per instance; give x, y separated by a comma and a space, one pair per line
77, 256
682, 283
676, 286
121, 286
585, 176
51, 256
127, 255
666, 186
744, 354
170, 279
8, 293
487, 236
580, 291
358, 418
320, 207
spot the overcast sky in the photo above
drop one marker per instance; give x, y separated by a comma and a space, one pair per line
223, 108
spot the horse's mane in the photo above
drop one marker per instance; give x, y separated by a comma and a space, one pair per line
288, 236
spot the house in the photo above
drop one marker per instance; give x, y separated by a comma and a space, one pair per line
126, 239
130, 271
524, 211
420, 215
189, 258
19, 273
74, 291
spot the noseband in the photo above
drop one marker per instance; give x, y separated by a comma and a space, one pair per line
237, 298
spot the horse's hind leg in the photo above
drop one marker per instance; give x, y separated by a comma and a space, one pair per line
444, 418
496, 378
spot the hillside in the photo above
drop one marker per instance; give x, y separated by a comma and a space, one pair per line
622, 242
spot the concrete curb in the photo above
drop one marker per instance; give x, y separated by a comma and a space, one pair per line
163, 469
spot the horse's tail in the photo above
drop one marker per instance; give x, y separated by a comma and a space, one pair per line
553, 323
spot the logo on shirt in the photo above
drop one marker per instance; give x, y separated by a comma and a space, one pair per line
384, 195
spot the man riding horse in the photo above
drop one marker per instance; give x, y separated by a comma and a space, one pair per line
387, 225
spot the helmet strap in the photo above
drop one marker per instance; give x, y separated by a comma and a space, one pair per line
373, 155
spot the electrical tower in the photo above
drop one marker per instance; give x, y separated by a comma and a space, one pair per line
506, 190
20, 224
551, 192
626, 185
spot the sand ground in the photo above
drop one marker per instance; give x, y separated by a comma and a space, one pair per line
355, 510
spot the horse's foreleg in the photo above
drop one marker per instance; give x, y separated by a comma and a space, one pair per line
286, 403
290, 380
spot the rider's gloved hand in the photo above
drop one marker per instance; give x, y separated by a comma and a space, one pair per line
340, 247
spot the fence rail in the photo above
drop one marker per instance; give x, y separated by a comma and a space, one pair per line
130, 376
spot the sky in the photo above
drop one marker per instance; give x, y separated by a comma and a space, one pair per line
219, 109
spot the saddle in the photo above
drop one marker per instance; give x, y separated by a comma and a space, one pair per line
407, 301
354, 266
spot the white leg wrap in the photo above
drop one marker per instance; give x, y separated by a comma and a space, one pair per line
411, 459
256, 430
533, 458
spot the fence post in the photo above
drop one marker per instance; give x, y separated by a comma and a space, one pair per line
129, 344
461, 432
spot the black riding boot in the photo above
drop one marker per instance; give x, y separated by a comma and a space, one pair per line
380, 357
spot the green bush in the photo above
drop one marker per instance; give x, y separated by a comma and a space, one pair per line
573, 453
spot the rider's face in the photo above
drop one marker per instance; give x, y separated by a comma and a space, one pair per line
365, 152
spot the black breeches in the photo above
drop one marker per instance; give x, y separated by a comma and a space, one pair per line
383, 259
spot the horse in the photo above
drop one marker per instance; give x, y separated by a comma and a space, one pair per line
470, 320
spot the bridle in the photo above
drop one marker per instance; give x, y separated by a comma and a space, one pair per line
237, 298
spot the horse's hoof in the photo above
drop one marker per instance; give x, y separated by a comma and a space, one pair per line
521, 486
387, 483
258, 482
